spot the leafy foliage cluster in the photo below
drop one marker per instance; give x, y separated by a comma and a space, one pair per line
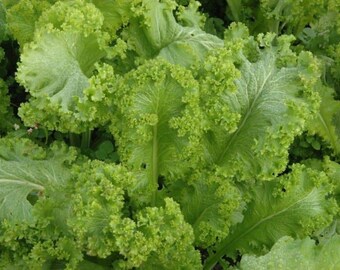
162, 134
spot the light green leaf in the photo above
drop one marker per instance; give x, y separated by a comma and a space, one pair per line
154, 120
331, 168
211, 204
58, 66
189, 45
325, 123
255, 111
288, 254
27, 169
55, 70
103, 227
190, 15
155, 32
22, 18
295, 204
76, 16
116, 13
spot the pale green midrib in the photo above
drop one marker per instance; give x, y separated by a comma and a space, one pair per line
328, 131
249, 111
155, 163
154, 181
224, 246
22, 183
32, 176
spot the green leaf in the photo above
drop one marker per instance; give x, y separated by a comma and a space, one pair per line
255, 111
116, 13
288, 253
155, 32
325, 123
103, 226
153, 125
55, 70
58, 66
211, 204
331, 168
104, 150
190, 15
3, 23
22, 18
27, 169
76, 16
295, 204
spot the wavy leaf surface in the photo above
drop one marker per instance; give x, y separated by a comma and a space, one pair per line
288, 253
295, 205
154, 119
24, 173
256, 110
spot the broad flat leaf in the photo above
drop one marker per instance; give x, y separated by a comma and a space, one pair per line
295, 204
188, 45
155, 32
58, 66
254, 122
21, 175
55, 70
288, 254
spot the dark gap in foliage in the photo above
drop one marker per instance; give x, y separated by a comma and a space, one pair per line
161, 182
128, 209
204, 254
308, 146
215, 8
9, 64
54, 265
286, 171
102, 145
107, 262
33, 197
8, 68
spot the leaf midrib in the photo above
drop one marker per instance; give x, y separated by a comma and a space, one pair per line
272, 216
222, 249
22, 183
249, 112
